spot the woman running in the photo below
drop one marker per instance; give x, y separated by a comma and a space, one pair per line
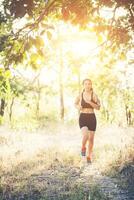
86, 103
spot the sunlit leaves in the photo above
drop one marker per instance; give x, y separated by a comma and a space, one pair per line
33, 59
17, 87
49, 35
100, 39
14, 52
119, 35
122, 56
37, 41
5, 76
76, 11
108, 3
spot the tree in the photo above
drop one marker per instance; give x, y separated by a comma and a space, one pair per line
26, 44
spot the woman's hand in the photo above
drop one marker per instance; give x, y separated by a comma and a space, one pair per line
94, 105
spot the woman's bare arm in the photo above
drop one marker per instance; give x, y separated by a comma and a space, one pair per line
95, 105
77, 103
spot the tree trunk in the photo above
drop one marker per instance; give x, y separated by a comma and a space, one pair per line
79, 81
11, 109
107, 115
61, 102
128, 115
126, 107
61, 88
2, 107
38, 100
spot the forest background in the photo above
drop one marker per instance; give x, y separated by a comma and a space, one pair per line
47, 48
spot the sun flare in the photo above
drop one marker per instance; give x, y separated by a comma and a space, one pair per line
69, 38
82, 48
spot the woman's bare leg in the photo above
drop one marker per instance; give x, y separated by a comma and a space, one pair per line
90, 144
85, 136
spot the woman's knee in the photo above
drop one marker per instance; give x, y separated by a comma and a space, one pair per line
91, 136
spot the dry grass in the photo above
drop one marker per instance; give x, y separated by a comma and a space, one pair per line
114, 147
37, 165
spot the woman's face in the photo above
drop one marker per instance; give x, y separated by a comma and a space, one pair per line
87, 85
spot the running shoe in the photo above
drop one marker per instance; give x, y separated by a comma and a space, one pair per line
83, 151
89, 160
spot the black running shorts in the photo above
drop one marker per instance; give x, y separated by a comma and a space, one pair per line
88, 120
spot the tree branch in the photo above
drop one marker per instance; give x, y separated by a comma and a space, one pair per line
37, 21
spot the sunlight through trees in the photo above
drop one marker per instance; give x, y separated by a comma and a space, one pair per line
48, 47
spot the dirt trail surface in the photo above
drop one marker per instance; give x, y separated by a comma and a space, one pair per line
109, 186
49, 166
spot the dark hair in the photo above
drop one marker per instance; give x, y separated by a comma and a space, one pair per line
86, 79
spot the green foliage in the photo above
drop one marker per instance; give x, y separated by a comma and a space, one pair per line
19, 8
4, 82
78, 12
3, 39
28, 47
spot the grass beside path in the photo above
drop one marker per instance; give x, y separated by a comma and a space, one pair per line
47, 165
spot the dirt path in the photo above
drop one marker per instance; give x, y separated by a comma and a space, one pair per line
108, 186
61, 182
48, 167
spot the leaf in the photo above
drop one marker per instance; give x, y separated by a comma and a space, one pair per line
122, 56
49, 35
43, 32
40, 52
39, 42
34, 57
7, 74
100, 39
27, 46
